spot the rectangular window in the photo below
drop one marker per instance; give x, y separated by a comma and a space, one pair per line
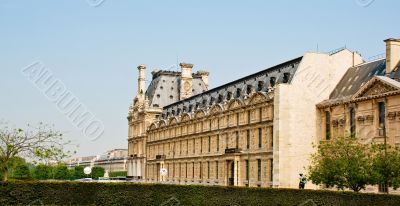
193, 171
248, 117
201, 145
259, 170
209, 144
247, 170
216, 169
186, 170
248, 139
352, 122
259, 137
381, 114
173, 170
271, 170
260, 113
217, 143
327, 125
237, 119
271, 137
226, 141
383, 188
201, 170
194, 146
208, 170
237, 139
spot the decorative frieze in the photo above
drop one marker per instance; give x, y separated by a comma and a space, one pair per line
342, 122
335, 123
369, 117
361, 118
391, 115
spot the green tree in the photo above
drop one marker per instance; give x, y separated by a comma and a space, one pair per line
386, 166
22, 172
71, 174
12, 164
42, 143
342, 163
97, 172
42, 172
78, 172
60, 172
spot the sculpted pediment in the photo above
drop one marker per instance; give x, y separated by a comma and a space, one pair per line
256, 98
377, 86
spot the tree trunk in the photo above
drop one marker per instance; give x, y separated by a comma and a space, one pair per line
5, 175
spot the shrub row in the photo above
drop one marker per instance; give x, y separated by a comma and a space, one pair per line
77, 193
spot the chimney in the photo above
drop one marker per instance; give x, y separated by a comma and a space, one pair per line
392, 54
186, 81
141, 81
204, 76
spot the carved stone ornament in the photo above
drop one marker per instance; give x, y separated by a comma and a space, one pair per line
391, 115
369, 117
360, 118
335, 123
377, 89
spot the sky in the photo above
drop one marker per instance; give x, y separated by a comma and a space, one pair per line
93, 47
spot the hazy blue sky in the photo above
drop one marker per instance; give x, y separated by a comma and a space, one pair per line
94, 51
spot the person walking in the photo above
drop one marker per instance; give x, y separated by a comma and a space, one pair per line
302, 182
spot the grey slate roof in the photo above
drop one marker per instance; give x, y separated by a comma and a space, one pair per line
356, 77
281, 73
164, 89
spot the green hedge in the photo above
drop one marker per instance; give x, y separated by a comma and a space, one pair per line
118, 174
77, 193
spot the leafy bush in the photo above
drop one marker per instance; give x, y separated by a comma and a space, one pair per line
42, 172
97, 172
60, 172
22, 172
54, 193
118, 174
78, 172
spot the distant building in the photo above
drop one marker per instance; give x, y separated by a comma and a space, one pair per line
256, 131
113, 161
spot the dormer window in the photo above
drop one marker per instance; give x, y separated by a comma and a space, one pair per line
238, 92
212, 100
260, 86
272, 81
220, 98
249, 89
229, 96
286, 77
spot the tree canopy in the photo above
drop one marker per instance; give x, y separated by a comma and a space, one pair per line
41, 143
346, 163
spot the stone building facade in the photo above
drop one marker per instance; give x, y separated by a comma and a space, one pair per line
366, 102
255, 131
